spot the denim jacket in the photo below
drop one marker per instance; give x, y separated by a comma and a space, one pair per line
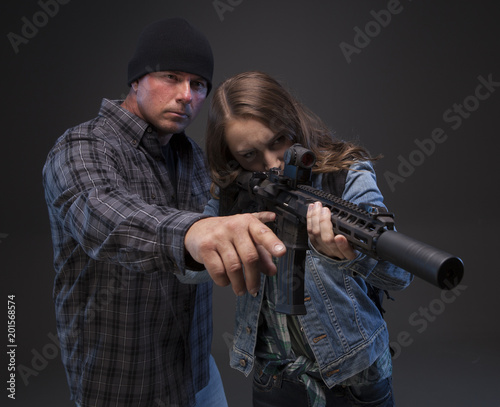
343, 326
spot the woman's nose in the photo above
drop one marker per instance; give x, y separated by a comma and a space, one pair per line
272, 161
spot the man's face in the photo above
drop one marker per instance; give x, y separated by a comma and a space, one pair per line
169, 100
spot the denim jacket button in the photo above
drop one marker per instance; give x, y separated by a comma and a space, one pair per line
243, 362
332, 372
249, 330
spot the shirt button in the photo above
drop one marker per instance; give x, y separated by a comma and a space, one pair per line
243, 362
134, 142
149, 130
153, 196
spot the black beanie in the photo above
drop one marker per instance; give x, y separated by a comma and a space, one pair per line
172, 45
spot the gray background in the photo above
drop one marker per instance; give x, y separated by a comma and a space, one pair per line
391, 96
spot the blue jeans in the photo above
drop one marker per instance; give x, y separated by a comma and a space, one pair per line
282, 391
212, 395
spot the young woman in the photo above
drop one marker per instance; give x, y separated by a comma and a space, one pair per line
338, 353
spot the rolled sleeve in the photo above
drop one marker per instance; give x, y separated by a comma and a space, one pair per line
361, 189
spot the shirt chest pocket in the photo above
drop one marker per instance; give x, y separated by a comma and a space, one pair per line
198, 201
150, 192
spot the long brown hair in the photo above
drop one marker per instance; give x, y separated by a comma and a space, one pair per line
256, 95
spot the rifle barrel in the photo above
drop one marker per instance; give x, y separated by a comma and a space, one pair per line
426, 262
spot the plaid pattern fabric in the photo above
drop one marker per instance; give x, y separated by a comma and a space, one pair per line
276, 355
118, 229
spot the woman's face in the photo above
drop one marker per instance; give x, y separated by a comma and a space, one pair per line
255, 146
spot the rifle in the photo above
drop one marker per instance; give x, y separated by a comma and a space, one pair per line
371, 231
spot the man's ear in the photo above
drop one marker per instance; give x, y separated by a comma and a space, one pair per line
134, 85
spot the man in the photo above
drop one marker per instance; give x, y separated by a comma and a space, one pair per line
124, 193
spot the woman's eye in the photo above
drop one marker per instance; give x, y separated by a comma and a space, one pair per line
279, 140
248, 156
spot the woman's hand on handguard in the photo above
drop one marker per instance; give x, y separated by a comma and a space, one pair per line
321, 236
227, 245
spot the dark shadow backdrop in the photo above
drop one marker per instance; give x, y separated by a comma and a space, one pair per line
384, 73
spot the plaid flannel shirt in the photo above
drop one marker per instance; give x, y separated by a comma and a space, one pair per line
118, 230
